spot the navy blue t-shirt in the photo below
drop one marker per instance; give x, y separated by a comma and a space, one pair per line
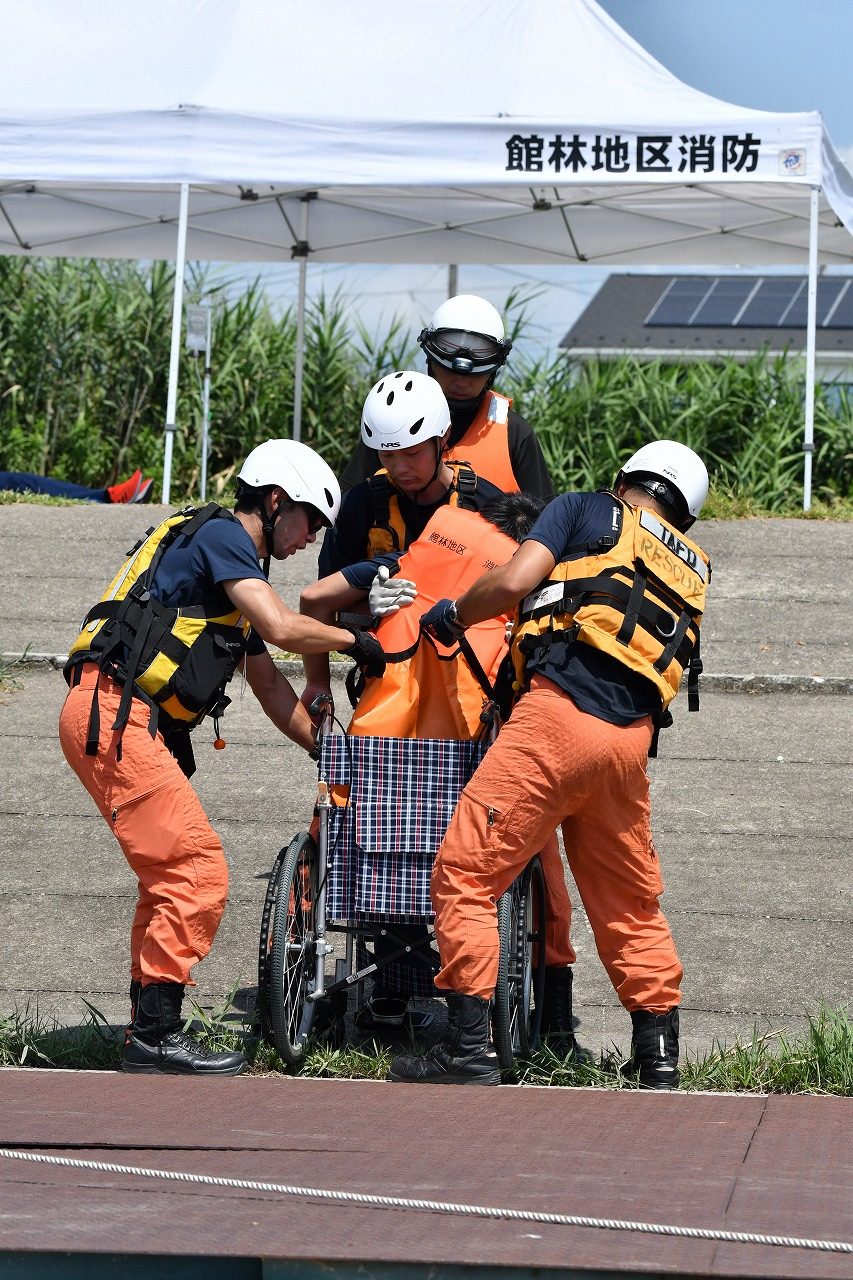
192, 569
347, 542
596, 682
362, 573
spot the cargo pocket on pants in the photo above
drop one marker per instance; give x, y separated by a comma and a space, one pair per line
482, 835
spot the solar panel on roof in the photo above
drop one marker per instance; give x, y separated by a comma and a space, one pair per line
722, 304
679, 300
827, 292
751, 302
842, 316
769, 302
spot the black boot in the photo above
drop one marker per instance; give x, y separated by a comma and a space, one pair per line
654, 1049
467, 1056
156, 1044
134, 993
557, 1029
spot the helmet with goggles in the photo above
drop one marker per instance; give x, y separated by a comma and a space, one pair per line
466, 335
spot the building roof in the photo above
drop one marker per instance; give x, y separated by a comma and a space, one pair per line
656, 315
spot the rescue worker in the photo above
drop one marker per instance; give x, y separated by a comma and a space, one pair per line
465, 346
190, 607
406, 418
428, 692
610, 594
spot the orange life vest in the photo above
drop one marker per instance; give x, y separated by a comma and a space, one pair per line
485, 445
428, 691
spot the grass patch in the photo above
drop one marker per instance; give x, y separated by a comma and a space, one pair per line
10, 498
817, 1061
724, 506
10, 673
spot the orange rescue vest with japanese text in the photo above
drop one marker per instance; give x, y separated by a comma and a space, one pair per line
428, 691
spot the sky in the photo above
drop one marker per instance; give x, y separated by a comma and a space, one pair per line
777, 55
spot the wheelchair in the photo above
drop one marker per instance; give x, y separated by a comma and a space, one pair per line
347, 877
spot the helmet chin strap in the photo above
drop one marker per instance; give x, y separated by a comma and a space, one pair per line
268, 523
439, 450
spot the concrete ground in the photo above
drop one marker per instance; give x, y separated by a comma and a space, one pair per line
752, 797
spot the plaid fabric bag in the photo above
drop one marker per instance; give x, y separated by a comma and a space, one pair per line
382, 845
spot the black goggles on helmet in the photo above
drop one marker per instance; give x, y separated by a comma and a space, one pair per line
663, 492
464, 352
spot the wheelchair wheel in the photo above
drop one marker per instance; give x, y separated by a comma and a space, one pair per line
517, 1008
291, 971
263, 1025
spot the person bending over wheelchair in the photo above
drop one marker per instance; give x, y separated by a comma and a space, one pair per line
610, 594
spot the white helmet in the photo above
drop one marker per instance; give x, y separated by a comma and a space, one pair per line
673, 474
466, 334
301, 472
404, 409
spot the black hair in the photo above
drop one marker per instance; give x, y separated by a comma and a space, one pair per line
513, 513
666, 496
249, 497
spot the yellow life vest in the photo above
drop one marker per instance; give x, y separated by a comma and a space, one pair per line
389, 532
638, 597
485, 444
178, 660
428, 691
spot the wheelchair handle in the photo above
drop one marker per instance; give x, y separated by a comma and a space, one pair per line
321, 702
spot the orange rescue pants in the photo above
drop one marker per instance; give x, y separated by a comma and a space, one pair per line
552, 763
163, 831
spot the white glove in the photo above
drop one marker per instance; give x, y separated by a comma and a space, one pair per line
389, 596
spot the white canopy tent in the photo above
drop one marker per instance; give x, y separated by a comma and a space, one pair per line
525, 131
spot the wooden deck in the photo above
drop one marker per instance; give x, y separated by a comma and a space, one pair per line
780, 1166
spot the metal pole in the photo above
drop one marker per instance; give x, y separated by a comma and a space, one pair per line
301, 251
205, 427
300, 351
177, 310
811, 328
205, 400
452, 280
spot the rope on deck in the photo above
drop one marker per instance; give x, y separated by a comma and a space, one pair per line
439, 1206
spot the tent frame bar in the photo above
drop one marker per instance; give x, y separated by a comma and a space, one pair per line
811, 345
175, 352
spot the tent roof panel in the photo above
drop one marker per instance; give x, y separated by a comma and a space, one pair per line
419, 151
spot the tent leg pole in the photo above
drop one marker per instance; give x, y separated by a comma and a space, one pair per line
300, 351
205, 427
811, 327
174, 356
299, 363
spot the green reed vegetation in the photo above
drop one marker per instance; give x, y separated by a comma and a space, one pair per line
84, 355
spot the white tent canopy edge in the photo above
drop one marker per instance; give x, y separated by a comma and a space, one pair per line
562, 141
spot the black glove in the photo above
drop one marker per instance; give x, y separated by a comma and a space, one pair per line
440, 622
368, 653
